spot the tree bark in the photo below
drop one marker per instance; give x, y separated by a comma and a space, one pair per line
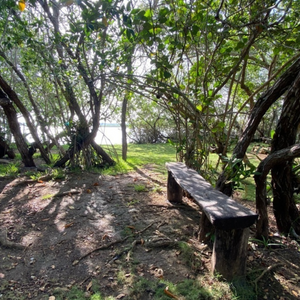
285, 210
107, 160
14, 98
13, 123
124, 108
260, 108
283, 156
123, 127
4, 147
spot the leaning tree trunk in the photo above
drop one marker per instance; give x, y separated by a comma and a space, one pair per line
260, 108
12, 119
107, 160
285, 210
81, 142
14, 98
280, 157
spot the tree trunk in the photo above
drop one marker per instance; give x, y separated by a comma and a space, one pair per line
12, 119
262, 225
260, 108
278, 158
124, 107
107, 160
5, 149
14, 97
123, 127
283, 196
285, 210
81, 141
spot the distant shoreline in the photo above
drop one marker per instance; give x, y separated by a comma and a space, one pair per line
110, 125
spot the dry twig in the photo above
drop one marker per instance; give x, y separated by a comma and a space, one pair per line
75, 262
268, 269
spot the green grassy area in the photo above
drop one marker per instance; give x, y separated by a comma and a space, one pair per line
140, 155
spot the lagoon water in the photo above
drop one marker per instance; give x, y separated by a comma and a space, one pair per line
109, 134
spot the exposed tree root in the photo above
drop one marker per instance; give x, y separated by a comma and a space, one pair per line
293, 234
268, 269
8, 244
104, 247
67, 193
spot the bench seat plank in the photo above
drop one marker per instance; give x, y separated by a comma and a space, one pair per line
222, 211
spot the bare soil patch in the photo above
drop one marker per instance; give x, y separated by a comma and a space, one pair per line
91, 230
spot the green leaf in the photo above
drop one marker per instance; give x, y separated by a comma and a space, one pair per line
199, 107
161, 47
276, 51
148, 13
195, 29
272, 133
239, 45
221, 124
167, 74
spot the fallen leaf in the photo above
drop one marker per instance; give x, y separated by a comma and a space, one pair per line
96, 184
69, 225
159, 273
120, 296
105, 237
295, 293
89, 191
89, 286
131, 227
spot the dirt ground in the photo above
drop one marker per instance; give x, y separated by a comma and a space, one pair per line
88, 229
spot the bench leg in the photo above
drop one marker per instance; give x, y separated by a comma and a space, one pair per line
206, 229
230, 253
174, 191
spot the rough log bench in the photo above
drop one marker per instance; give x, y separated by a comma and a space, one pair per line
231, 220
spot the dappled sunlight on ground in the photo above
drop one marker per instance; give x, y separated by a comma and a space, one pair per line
114, 231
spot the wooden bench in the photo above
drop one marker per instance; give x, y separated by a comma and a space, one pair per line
229, 219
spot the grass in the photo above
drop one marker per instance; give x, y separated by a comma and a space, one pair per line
187, 289
140, 188
10, 170
139, 155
